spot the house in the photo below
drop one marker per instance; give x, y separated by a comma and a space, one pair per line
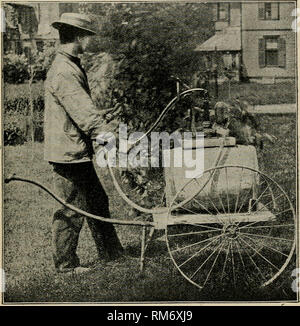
255, 40
21, 25
28, 25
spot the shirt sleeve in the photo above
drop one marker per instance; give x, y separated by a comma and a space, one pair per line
78, 105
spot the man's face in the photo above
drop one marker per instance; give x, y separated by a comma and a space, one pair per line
82, 43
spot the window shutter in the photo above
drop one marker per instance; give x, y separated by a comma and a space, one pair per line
261, 10
275, 10
261, 52
281, 53
215, 12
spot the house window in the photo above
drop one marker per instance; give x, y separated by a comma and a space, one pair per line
268, 11
223, 11
272, 52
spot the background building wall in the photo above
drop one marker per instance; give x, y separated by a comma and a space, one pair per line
251, 21
250, 46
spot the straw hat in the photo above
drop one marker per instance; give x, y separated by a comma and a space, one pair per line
80, 21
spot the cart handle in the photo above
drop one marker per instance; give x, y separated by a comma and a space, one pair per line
13, 177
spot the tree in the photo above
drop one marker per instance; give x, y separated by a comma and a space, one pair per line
150, 42
144, 45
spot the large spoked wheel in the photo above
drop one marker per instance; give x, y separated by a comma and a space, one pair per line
236, 228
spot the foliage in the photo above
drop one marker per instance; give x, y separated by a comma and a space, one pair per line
147, 44
150, 42
16, 105
15, 68
13, 131
40, 61
16, 98
15, 128
18, 68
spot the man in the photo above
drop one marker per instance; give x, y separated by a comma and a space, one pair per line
72, 123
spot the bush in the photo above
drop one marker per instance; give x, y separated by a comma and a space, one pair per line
16, 106
14, 131
15, 68
15, 128
16, 98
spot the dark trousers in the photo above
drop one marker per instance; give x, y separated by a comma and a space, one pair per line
78, 184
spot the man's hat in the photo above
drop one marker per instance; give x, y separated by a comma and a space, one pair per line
80, 21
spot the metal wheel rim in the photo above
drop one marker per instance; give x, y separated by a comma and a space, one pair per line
173, 206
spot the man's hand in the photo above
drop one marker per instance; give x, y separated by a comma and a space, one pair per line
110, 114
104, 139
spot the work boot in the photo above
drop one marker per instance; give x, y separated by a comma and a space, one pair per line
79, 270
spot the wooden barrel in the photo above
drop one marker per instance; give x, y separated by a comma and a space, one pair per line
224, 184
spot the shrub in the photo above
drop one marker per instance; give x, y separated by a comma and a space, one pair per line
18, 68
14, 129
16, 98
16, 105
15, 68
41, 61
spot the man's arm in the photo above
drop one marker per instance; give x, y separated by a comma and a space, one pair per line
80, 107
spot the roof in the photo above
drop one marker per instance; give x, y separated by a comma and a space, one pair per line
226, 40
23, 4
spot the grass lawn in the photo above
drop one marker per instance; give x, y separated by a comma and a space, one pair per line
27, 242
258, 94
18, 90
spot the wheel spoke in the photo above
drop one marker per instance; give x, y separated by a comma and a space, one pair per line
266, 236
233, 264
260, 272
188, 210
197, 253
270, 202
218, 212
241, 257
225, 262
208, 197
206, 260
238, 195
242, 251
258, 198
243, 202
221, 202
203, 206
193, 233
253, 223
227, 190
195, 244
267, 226
198, 225
258, 253
213, 265
268, 247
